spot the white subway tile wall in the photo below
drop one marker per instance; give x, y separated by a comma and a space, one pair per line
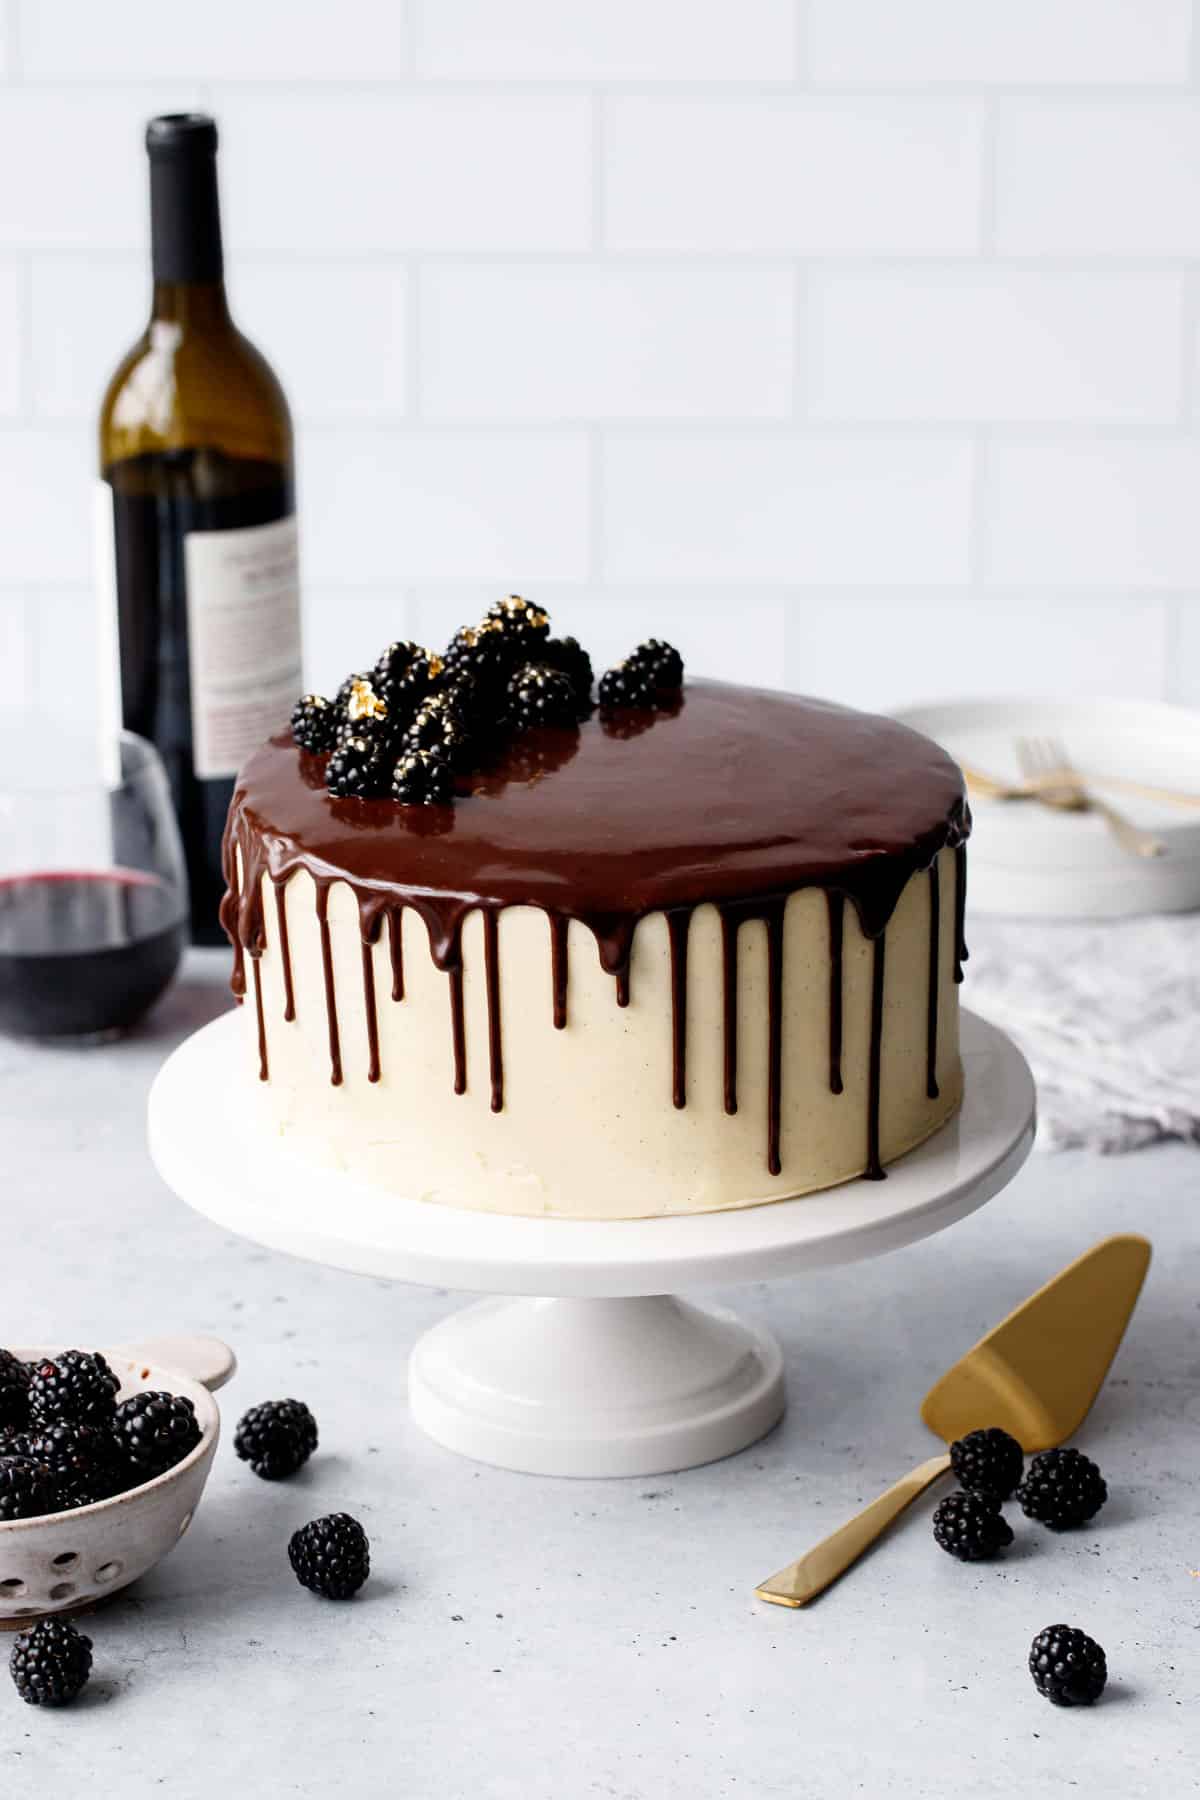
853, 345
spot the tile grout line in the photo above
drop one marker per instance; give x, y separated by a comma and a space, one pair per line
599, 135
597, 559
1189, 323
987, 183
976, 514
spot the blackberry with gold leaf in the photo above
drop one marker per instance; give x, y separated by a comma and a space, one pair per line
422, 778
541, 696
404, 674
524, 625
483, 653
315, 723
438, 726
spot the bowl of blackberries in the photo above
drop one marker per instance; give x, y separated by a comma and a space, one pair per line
103, 1459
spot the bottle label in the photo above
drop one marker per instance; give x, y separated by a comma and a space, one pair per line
243, 610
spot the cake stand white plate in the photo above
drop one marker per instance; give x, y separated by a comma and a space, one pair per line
611, 1375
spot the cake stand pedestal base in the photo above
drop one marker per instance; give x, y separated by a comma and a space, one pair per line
611, 1376
599, 1387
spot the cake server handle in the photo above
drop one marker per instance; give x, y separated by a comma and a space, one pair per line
802, 1581
205, 1359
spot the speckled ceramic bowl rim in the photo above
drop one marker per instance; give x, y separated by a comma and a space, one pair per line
149, 1375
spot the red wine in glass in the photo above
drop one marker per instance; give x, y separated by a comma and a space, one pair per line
83, 952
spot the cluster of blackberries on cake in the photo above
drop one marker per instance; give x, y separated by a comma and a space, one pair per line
65, 1442
406, 727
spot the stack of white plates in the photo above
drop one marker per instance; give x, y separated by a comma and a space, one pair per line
1026, 859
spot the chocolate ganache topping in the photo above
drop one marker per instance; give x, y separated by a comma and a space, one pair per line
731, 796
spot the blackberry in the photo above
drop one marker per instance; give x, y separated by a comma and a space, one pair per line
437, 726
988, 1462
403, 676
156, 1430
315, 722
13, 1442
1067, 1666
332, 1556
276, 1438
422, 778
27, 1489
77, 1386
971, 1527
357, 697
484, 653
662, 662
569, 655
525, 626
1063, 1488
541, 696
50, 1663
84, 1460
462, 694
357, 770
628, 684
14, 1390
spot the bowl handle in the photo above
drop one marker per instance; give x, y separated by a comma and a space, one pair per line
205, 1359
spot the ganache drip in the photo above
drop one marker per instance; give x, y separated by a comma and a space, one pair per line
282, 820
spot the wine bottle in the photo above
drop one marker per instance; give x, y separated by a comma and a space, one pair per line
196, 528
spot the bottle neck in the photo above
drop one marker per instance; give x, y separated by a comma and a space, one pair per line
185, 221
192, 305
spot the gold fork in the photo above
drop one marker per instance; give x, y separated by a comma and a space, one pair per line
1045, 761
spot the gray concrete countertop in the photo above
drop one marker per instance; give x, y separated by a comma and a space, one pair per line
532, 1639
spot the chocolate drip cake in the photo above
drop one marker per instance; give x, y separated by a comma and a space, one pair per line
688, 952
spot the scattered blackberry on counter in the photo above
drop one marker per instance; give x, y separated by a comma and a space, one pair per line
988, 1462
332, 1556
84, 1460
315, 722
662, 662
50, 1663
1067, 1666
525, 626
27, 1489
971, 1527
357, 770
541, 696
404, 674
422, 778
156, 1430
77, 1386
14, 1390
1063, 1488
276, 1438
569, 655
628, 684
437, 726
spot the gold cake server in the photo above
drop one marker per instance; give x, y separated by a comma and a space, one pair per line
1036, 1375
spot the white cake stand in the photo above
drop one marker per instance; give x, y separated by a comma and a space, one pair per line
612, 1375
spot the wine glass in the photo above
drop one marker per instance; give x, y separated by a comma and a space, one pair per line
93, 890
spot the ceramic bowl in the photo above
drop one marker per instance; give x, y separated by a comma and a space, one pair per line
69, 1560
